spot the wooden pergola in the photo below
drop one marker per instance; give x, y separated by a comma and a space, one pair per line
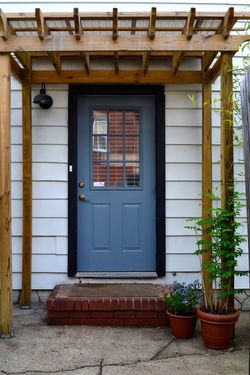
170, 38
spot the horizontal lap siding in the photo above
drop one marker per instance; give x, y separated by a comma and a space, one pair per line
50, 188
184, 177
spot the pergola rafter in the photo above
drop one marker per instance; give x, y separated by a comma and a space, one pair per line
168, 38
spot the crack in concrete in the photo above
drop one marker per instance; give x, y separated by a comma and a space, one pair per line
162, 349
101, 365
54, 371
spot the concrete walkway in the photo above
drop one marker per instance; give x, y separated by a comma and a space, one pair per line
79, 350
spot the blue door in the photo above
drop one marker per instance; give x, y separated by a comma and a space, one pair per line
116, 213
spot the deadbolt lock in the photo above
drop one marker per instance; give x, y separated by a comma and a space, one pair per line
81, 184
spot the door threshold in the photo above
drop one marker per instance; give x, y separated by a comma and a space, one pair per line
117, 275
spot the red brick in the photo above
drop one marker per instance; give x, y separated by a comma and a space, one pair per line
58, 303
146, 314
130, 303
102, 314
78, 305
137, 304
145, 304
85, 304
160, 305
50, 303
122, 304
106, 303
93, 304
57, 314
162, 314
152, 303
79, 314
124, 314
67, 304
114, 303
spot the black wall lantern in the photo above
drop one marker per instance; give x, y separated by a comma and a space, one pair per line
45, 101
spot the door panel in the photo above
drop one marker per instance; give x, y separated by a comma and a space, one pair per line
116, 165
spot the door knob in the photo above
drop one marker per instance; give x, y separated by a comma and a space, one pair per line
82, 197
81, 184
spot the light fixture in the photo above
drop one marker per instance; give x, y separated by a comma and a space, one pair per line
45, 101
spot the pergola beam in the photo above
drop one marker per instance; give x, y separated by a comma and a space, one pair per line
86, 62
115, 24
116, 62
189, 26
129, 43
110, 77
5, 200
145, 61
3, 26
206, 169
42, 27
25, 59
227, 151
19, 73
176, 61
214, 72
207, 60
228, 22
77, 23
56, 61
152, 24
27, 195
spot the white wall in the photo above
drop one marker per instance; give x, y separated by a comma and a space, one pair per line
50, 148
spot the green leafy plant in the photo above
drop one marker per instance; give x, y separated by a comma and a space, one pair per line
183, 298
223, 245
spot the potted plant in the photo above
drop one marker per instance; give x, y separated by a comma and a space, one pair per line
181, 303
223, 245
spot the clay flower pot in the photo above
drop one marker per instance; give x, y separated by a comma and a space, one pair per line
182, 327
217, 330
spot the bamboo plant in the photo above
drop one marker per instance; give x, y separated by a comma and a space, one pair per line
224, 246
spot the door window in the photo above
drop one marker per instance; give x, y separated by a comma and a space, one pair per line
116, 148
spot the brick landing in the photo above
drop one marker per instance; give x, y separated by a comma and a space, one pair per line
107, 305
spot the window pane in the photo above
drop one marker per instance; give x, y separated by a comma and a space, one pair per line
99, 122
132, 148
116, 174
99, 174
132, 123
99, 147
132, 174
115, 122
116, 148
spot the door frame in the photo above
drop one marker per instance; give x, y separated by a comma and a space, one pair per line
158, 93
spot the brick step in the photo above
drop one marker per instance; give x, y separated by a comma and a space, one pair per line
65, 305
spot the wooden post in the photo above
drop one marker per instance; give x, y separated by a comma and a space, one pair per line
206, 168
5, 199
227, 157
27, 196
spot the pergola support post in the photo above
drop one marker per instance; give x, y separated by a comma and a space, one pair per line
5, 200
227, 152
27, 195
206, 169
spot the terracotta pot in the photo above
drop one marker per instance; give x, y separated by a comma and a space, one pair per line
217, 330
182, 327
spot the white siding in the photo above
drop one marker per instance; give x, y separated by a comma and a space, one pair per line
50, 189
50, 154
